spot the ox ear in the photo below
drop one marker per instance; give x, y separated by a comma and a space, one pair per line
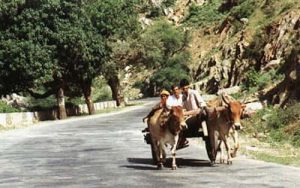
243, 106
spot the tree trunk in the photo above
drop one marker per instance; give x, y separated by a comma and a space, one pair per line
114, 84
87, 91
61, 104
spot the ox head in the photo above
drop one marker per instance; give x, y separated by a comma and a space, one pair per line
176, 119
235, 110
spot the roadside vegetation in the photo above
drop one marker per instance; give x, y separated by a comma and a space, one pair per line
58, 49
5, 108
272, 134
206, 15
276, 125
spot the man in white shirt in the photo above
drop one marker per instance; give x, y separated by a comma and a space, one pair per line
176, 98
194, 105
192, 101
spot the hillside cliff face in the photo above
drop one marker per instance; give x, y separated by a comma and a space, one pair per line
253, 44
224, 53
282, 51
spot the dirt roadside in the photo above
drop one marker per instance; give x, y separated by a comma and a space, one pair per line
284, 154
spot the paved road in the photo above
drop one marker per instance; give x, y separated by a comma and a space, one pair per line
108, 151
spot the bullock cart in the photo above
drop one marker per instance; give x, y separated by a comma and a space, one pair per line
194, 132
223, 121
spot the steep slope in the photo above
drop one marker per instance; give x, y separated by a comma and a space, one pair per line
259, 36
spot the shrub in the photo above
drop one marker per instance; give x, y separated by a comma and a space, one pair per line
277, 136
257, 81
4, 108
101, 91
154, 12
296, 138
275, 122
104, 94
169, 3
257, 123
206, 14
41, 104
244, 9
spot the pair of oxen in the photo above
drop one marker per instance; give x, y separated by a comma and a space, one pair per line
223, 121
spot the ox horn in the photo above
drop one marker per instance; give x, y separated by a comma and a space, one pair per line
244, 100
226, 98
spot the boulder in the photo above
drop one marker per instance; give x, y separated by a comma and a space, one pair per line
230, 90
252, 108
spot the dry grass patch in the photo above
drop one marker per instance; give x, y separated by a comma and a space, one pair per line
270, 152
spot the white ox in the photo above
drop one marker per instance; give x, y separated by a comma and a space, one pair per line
166, 134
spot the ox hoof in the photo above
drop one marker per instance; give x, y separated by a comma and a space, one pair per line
212, 163
229, 162
233, 155
222, 161
160, 166
174, 167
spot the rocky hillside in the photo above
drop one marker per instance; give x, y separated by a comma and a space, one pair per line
253, 44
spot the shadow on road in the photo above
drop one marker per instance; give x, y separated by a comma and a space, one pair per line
180, 162
140, 160
138, 167
192, 162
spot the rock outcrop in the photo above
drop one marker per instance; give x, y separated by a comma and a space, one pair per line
225, 62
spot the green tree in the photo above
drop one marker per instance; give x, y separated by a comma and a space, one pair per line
50, 44
26, 57
165, 52
117, 22
81, 50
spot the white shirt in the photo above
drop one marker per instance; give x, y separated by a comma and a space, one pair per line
193, 100
174, 101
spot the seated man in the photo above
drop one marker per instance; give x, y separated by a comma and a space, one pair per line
176, 98
164, 94
194, 105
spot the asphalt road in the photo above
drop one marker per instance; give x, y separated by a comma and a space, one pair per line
109, 151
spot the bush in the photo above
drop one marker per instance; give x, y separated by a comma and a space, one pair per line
206, 14
41, 104
244, 9
296, 138
256, 124
104, 94
4, 108
166, 53
101, 91
257, 81
169, 3
276, 7
277, 136
275, 122
154, 12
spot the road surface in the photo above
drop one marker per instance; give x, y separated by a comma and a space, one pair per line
108, 151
